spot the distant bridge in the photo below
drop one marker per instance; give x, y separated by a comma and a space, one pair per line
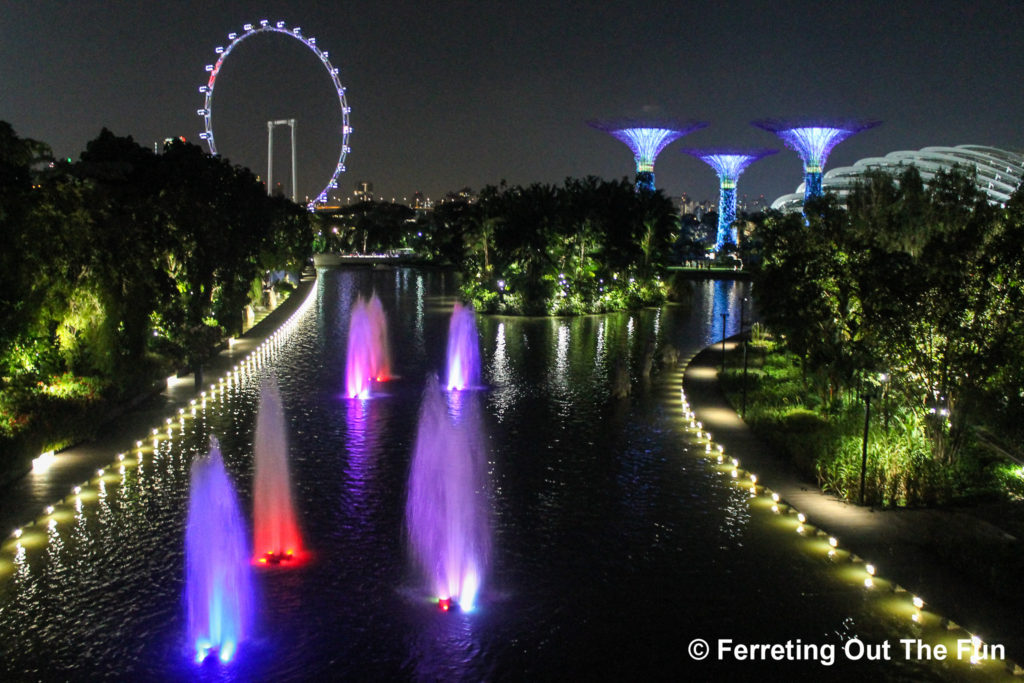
393, 258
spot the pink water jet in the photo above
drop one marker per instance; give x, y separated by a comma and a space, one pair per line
277, 537
463, 349
219, 593
368, 358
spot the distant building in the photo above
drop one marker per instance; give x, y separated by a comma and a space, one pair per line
685, 204
364, 191
999, 172
158, 148
420, 202
748, 204
463, 195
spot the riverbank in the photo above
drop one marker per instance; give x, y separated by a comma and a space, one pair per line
23, 498
708, 271
944, 555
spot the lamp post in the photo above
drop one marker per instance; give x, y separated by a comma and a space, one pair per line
743, 405
869, 393
864, 444
725, 316
883, 378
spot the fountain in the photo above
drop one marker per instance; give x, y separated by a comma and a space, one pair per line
218, 583
367, 358
276, 533
463, 349
379, 336
446, 509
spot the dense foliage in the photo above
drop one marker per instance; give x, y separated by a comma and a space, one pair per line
912, 295
121, 265
586, 246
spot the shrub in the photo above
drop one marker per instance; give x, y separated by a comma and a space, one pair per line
806, 436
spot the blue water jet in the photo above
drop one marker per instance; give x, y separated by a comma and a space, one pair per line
219, 591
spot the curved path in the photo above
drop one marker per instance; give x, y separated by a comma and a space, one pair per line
24, 500
896, 541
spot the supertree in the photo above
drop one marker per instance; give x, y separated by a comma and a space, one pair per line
729, 164
646, 139
813, 140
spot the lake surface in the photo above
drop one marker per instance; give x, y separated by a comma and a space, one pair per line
616, 541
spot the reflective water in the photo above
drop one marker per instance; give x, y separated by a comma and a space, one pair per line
615, 542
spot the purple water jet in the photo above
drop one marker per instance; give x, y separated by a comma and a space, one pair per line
276, 531
446, 511
463, 349
218, 582
379, 335
367, 359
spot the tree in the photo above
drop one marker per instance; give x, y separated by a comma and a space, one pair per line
219, 220
21, 293
925, 284
126, 238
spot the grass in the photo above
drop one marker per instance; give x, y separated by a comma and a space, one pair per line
826, 446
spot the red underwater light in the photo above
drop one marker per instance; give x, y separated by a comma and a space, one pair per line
276, 558
444, 604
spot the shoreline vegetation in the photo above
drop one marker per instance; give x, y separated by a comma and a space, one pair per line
826, 447
119, 269
585, 246
895, 321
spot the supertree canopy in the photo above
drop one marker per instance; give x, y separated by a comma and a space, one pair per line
813, 140
646, 139
729, 164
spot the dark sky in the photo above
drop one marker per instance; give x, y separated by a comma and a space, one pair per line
453, 94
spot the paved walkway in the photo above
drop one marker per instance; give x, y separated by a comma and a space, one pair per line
896, 541
25, 499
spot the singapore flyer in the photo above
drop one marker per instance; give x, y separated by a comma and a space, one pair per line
264, 26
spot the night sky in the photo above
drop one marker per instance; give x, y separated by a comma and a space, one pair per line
452, 94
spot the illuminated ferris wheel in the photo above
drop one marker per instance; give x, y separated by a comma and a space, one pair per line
265, 26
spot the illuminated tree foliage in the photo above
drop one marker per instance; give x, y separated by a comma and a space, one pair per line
121, 265
585, 246
924, 284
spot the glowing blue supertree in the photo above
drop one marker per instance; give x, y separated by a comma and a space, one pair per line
813, 140
729, 164
646, 139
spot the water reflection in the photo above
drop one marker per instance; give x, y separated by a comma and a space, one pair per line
600, 350
560, 371
361, 457
612, 544
723, 297
502, 380
447, 649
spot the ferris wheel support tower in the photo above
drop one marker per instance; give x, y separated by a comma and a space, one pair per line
270, 156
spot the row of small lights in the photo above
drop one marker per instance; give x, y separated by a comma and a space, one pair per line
232, 377
779, 506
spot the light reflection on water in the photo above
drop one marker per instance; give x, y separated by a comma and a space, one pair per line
613, 542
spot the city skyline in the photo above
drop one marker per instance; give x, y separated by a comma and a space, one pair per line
470, 94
